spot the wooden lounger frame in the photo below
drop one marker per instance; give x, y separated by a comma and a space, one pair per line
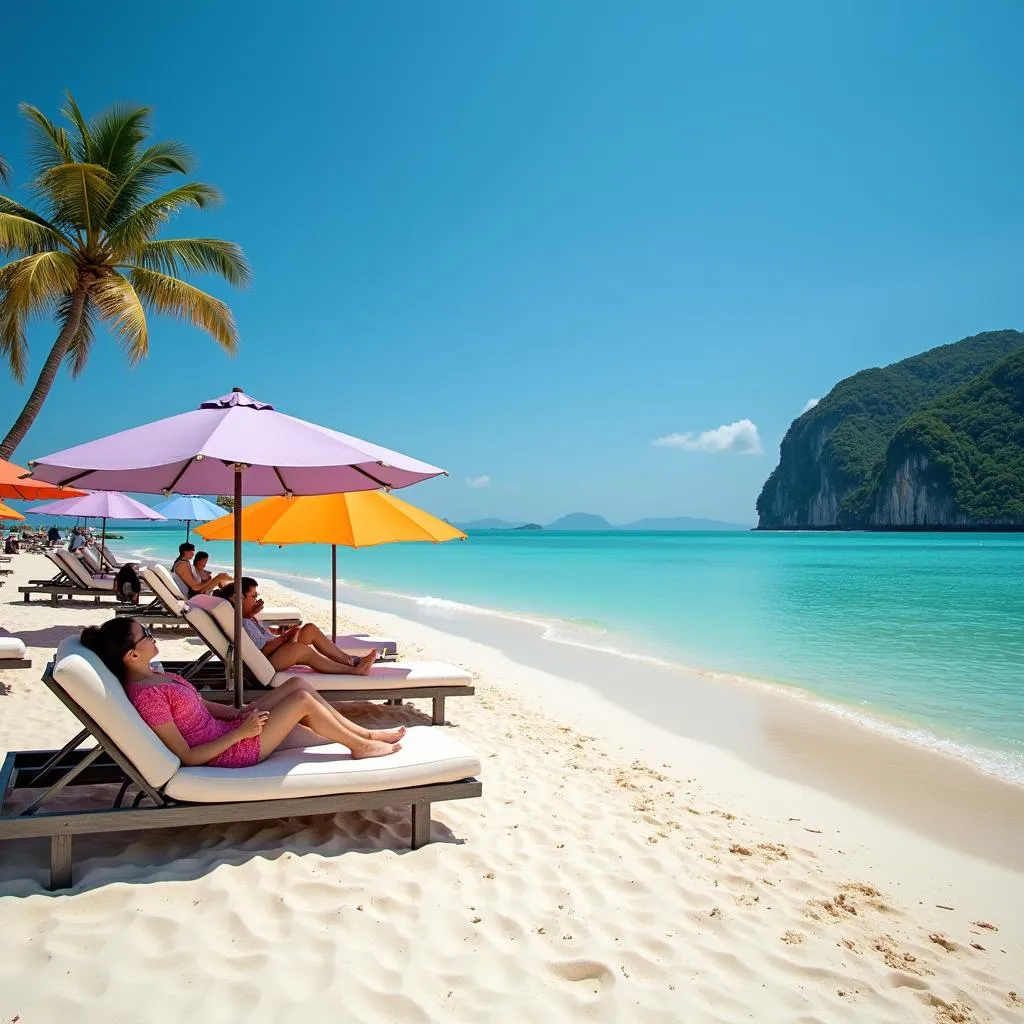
56, 770
14, 663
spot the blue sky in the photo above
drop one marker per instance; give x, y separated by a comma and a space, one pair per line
525, 241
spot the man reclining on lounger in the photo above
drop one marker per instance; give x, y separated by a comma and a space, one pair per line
295, 645
192, 581
199, 731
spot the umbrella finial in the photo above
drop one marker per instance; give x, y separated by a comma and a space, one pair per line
238, 391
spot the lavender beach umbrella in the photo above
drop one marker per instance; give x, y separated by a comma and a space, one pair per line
102, 505
232, 445
189, 509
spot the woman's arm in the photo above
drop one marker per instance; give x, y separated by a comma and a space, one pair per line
206, 752
225, 712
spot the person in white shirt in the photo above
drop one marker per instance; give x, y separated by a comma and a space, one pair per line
296, 645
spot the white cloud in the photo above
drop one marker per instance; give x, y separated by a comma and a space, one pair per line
811, 403
476, 482
740, 437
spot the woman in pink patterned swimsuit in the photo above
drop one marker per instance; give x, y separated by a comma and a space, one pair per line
203, 732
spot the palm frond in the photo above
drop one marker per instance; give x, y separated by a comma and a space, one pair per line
150, 166
77, 194
142, 223
84, 146
117, 133
13, 343
18, 235
36, 283
81, 343
5, 170
9, 206
119, 305
166, 294
175, 256
50, 144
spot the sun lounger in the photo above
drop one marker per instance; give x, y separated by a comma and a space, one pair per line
88, 560
112, 560
213, 619
168, 587
12, 653
431, 766
71, 581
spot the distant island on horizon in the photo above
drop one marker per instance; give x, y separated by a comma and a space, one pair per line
578, 521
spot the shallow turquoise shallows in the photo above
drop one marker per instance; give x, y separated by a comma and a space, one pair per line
920, 632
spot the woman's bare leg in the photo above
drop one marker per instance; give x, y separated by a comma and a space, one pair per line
313, 635
296, 684
295, 653
302, 708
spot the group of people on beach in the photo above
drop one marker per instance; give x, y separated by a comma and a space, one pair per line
202, 732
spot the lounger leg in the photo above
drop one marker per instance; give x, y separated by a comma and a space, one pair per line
393, 701
60, 861
438, 717
420, 823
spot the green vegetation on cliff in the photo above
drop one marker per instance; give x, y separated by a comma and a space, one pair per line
972, 443
835, 456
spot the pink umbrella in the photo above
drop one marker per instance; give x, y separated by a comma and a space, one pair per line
101, 504
232, 445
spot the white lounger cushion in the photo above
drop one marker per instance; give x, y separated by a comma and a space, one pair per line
11, 649
380, 677
427, 756
76, 570
92, 685
173, 589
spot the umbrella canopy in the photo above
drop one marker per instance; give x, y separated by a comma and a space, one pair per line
189, 509
356, 520
100, 505
233, 445
6, 512
12, 486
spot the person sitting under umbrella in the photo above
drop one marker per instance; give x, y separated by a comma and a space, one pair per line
296, 645
191, 580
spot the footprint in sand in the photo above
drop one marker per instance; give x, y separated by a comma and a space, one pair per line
588, 977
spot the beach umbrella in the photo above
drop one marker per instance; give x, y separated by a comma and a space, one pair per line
189, 509
13, 486
358, 519
232, 445
99, 505
6, 512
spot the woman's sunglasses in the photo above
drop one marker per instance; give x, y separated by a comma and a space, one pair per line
147, 634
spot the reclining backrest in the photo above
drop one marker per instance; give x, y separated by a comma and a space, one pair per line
223, 613
86, 558
177, 585
73, 567
113, 562
92, 685
199, 616
52, 556
161, 582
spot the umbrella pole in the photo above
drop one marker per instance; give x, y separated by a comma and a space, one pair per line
103, 544
188, 529
334, 593
237, 669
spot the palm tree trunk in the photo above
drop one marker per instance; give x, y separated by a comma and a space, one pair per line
49, 371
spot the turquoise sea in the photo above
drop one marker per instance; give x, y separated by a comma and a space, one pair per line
922, 633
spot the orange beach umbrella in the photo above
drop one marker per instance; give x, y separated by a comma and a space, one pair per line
6, 512
357, 519
12, 486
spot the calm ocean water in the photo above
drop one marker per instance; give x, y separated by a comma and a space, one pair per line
923, 633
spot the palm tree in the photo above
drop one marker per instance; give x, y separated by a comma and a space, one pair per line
5, 170
95, 253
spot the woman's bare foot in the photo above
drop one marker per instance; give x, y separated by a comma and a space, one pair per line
388, 735
374, 748
365, 664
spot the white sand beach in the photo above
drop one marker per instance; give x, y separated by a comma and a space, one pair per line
612, 871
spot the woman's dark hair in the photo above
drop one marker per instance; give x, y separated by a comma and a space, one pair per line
228, 590
199, 556
111, 641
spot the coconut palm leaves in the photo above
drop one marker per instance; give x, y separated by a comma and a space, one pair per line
92, 253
